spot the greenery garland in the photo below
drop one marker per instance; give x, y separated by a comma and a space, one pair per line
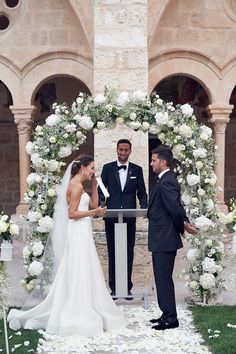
192, 145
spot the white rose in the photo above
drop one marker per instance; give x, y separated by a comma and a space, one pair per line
37, 178
79, 100
193, 179
134, 125
101, 125
185, 131
208, 242
213, 180
35, 268
209, 265
222, 217
186, 198
119, 120
34, 216
145, 126
53, 165
4, 218
51, 192
201, 192
26, 252
187, 110
36, 160
14, 229
77, 117
199, 165
194, 200
159, 102
209, 204
193, 284
170, 123
52, 139
161, 118
70, 128
64, 151
132, 116
3, 226
206, 132
52, 120
192, 143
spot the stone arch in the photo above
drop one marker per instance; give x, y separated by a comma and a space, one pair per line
228, 82
192, 64
51, 65
10, 76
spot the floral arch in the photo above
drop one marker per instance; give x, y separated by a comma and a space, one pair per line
177, 127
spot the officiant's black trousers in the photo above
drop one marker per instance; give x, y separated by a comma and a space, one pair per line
110, 236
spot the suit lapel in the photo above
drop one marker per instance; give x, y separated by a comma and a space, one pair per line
116, 174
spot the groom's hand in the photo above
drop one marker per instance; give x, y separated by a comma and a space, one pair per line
190, 228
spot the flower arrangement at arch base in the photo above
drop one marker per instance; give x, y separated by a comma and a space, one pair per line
192, 145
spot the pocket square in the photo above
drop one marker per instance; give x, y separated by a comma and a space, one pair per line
133, 177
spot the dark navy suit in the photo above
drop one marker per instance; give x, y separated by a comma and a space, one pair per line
126, 199
166, 222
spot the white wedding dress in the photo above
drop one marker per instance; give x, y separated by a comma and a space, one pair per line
78, 301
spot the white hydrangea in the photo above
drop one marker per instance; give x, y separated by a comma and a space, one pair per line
200, 153
161, 118
193, 179
186, 198
53, 165
209, 204
85, 122
154, 129
185, 131
70, 128
177, 150
14, 229
207, 281
192, 254
122, 98
64, 151
3, 226
45, 224
37, 161
206, 132
139, 95
37, 248
29, 147
209, 265
53, 120
99, 99
203, 223
35, 268
187, 110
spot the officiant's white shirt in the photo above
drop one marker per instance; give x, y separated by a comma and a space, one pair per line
123, 173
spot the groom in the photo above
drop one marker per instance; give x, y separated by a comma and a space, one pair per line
124, 181
167, 222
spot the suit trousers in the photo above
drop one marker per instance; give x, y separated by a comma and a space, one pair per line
163, 265
110, 236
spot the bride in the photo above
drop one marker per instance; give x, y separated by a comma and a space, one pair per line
78, 301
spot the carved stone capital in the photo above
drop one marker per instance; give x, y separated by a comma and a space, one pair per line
219, 117
23, 117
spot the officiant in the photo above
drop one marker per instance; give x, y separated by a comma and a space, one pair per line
124, 181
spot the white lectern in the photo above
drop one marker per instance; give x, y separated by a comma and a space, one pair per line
121, 250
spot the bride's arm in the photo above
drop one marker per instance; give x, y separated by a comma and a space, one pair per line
93, 203
74, 197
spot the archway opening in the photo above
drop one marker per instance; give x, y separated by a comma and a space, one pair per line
180, 89
9, 157
230, 148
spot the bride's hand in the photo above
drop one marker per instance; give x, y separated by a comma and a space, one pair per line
100, 211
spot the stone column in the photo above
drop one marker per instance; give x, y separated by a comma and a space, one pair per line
219, 119
23, 117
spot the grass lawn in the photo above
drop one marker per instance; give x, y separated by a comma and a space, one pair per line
19, 338
215, 318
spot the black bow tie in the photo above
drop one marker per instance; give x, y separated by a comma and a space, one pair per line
122, 166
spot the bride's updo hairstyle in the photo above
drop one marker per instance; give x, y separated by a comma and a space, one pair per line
81, 160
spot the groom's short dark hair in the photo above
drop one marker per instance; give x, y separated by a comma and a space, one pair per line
164, 153
124, 141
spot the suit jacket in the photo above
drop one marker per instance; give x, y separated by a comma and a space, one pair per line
166, 215
134, 186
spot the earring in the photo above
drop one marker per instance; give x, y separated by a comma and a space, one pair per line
82, 172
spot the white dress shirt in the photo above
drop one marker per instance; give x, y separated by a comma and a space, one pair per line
123, 174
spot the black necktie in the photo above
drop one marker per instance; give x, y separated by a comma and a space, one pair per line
122, 166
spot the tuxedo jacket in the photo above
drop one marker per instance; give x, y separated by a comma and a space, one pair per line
166, 215
133, 188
